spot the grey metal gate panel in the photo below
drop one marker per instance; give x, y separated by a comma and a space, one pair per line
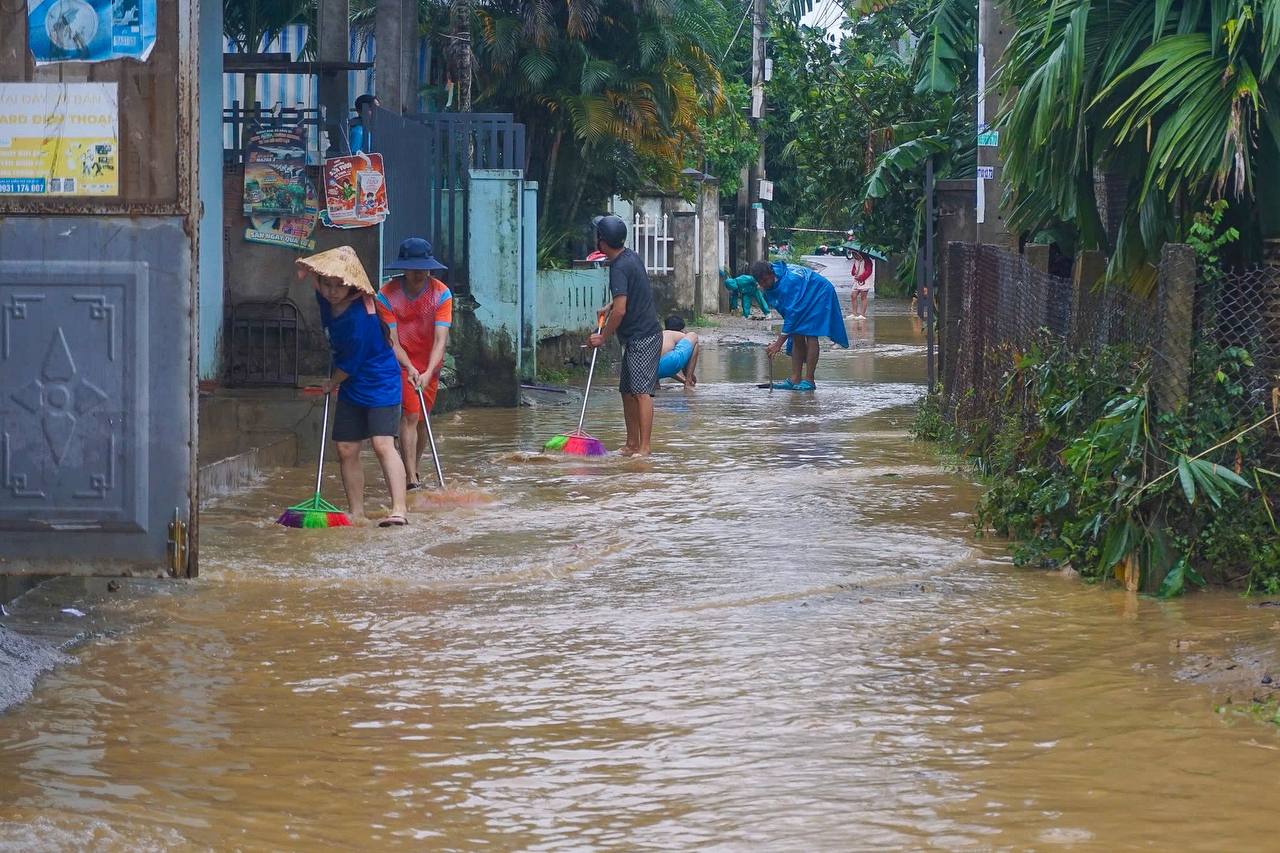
95, 401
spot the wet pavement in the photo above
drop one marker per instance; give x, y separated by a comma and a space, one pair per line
778, 633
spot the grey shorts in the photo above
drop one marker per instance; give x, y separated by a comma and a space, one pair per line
356, 423
640, 359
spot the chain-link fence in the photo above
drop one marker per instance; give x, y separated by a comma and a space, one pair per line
1195, 329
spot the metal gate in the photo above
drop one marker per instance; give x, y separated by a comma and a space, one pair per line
428, 160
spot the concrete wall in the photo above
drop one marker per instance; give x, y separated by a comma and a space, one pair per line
267, 273
568, 299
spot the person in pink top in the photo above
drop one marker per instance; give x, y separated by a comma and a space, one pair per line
863, 267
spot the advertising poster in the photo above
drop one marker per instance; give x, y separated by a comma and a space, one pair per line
355, 191
90, 30
275, 172
59, 139
290, 232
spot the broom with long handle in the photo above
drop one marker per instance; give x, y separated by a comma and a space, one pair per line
431, 438
316, 512
578, 443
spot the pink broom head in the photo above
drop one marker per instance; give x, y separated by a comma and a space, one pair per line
576, 444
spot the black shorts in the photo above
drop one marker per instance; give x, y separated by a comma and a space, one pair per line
640, 359
356, 423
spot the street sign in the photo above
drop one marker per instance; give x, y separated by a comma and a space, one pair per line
766, 190
989, 139
986, 173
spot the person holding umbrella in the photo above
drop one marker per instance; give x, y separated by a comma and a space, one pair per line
418, 310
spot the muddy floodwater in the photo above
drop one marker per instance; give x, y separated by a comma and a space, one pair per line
779, 633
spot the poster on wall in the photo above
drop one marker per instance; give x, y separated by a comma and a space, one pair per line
275, 172
90, 30
59, 139
355, 191
289, 232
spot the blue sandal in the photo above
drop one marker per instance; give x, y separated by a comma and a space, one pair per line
806, 385
785, 385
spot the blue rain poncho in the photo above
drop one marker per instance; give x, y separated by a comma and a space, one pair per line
808, 304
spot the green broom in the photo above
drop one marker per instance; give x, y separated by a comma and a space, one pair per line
316, 512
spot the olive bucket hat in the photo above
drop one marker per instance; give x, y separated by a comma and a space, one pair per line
415, 254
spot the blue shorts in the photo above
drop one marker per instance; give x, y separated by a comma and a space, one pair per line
675, 361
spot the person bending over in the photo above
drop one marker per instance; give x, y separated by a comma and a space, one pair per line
679, 353
810, 310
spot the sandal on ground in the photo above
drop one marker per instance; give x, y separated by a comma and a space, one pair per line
393, 521
785, 385
806, 385
409, 487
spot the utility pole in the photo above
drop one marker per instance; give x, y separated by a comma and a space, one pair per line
396, 28
460, 44
750, 216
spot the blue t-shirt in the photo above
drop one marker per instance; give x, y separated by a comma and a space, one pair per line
360, 348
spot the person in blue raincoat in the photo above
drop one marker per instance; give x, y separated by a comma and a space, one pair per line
810, 310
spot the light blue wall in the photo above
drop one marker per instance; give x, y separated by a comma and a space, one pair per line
494, 252
529, 283
568, 300
210, 293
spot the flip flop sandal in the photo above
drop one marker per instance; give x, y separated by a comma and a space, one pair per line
409, 487
393, 521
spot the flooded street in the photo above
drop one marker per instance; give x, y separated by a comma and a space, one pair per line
778, 633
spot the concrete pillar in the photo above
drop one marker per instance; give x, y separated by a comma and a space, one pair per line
709, 242
333, 44
528, 363
396, 72
494, 270
994, 33
1090, 267
211, 286
1175, 293
684, 257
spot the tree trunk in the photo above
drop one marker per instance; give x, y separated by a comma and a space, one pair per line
578, 191
460, 48
551, 169
250, 102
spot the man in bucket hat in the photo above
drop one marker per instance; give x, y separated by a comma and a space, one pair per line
418, 309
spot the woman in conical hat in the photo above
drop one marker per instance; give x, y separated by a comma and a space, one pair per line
365, 375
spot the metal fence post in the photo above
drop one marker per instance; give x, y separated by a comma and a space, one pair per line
955, 270
1171, 350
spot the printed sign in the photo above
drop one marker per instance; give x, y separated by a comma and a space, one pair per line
59, 139
989, 139
355, 191
766, 190
90, 30
275, 172
986, 173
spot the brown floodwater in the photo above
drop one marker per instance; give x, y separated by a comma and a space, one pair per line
778, 633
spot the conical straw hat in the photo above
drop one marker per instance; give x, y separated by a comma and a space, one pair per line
339, 263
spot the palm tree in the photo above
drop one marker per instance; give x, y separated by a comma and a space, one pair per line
1168, 97
252, 24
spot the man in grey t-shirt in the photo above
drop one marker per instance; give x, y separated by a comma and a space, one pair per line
634, 319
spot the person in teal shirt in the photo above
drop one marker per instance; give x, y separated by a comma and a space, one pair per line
744, 288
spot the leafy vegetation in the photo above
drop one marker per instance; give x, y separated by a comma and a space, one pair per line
1171, 100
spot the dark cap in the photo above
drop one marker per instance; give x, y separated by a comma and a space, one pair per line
415, 254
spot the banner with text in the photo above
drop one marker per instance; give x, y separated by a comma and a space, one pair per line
59, 139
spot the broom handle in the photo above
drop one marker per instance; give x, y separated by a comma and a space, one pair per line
431, 439
591, 372
324, 430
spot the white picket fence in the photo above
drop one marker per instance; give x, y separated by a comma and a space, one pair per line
653, 242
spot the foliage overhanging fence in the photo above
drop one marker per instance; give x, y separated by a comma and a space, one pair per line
998, 305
